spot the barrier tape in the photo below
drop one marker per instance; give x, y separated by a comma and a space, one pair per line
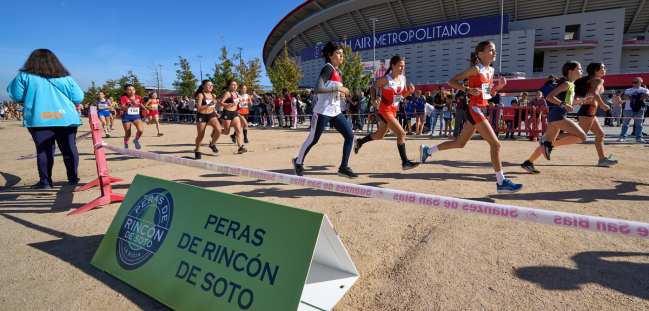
613, 226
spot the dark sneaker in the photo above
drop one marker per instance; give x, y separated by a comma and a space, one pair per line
107, 135
508, 187
198, 155
73, 182
408, 165
160, 134
125, 146
41, 186
357, 146
245, 140
297, 168
547, 148
137, 144
214, 149
346, 172
529, 167
233, 137
242, 149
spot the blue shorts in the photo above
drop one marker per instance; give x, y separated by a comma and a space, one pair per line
130, 118
556, 113
104, 113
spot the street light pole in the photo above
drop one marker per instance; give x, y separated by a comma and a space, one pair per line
200, 65
374, 19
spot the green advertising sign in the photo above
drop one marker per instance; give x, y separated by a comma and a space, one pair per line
197, 249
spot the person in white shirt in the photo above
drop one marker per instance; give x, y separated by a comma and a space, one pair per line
330, 94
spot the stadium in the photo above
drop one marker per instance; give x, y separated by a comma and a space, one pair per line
437, 37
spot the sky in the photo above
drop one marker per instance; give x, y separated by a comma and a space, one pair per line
101, 40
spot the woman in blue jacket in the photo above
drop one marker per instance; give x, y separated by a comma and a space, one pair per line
50, 98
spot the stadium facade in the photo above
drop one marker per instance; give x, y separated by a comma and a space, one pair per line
438, 37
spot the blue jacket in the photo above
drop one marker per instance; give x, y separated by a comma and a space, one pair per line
46, 103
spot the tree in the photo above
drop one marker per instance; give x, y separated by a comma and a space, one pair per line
352, 70
185, 82
222, 72
249, 73
284, 73
91, 95
131, 78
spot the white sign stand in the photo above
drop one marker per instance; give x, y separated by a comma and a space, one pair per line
331, 274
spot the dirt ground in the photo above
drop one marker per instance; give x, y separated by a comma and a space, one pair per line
409, 257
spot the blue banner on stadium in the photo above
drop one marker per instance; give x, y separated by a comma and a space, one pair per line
475, 27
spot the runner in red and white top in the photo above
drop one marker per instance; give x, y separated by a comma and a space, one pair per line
131, 104
153, 105
480, 89
393, 89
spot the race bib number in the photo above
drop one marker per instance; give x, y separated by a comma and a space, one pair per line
102, 106
133, 111
396, 100
486, 90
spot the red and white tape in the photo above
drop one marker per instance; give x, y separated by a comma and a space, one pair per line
614, 226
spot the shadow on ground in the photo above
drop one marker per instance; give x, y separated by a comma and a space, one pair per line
629, 278
621, 192
78, 251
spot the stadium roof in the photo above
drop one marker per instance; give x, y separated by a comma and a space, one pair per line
325, 20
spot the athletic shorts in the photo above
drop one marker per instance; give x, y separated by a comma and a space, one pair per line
556, 113
130, 118
244, 112
153, 113
104, 113
229, 115
205, 117
475, 115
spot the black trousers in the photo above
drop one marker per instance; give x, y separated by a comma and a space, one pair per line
44, 139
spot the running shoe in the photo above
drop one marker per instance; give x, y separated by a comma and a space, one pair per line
214, 149
242, 149
107, 135
297, 168
137, 144
357, 146
197, 155
347, 172
245, 140
160, 134
547, 148
233, 137
529, 167
125, 146
408, 165
508, 187
73, 182
423, 153
607, 162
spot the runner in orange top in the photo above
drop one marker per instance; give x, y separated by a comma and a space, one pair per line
480, 89
244, 110
393, 90
153, 105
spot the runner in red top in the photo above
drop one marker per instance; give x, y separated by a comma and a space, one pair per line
393, 90
131, 104
153, 105
480, 89
593, 85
